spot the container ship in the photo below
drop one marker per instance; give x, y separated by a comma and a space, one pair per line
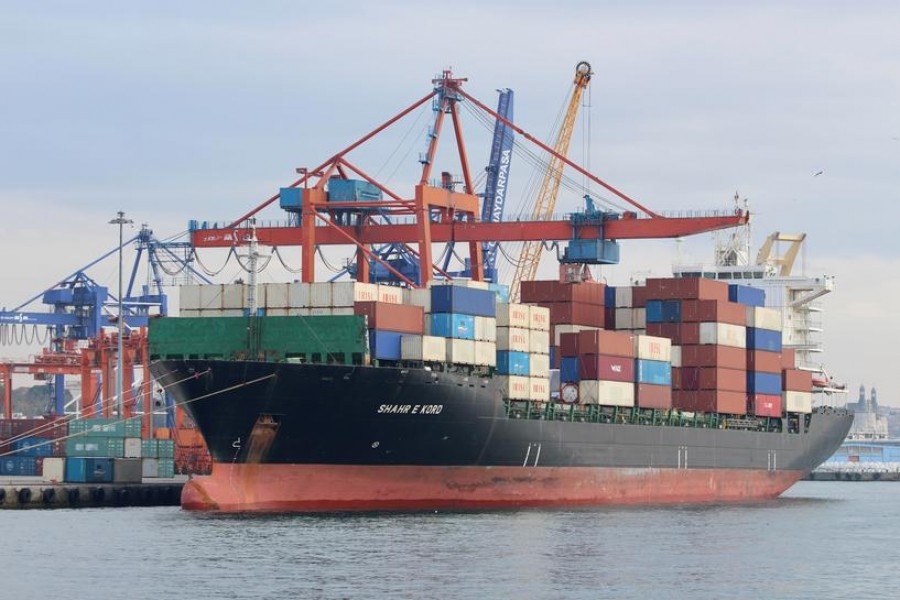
371, 397
410, 387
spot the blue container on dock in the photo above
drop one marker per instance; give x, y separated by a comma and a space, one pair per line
25, 466
568, 369
385, 345
291, 199
609, 296
453, 325
510, 362
592, 252
89, 470
763, 383
657, 372
663, 311
763, 339
352, 190
463, 300
744, 294
33, 446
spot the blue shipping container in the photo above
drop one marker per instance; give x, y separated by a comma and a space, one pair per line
385, 345
663, 311
18, 465
452, 325
512, 363
568, 369
657, 372
593, 252
609, 296
462, 300
291, 199
89, 470
744, 294
654, 310
763, 383
763, 339
33, 446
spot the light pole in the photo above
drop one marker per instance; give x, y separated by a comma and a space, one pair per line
120, 220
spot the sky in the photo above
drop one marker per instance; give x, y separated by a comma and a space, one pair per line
172, 111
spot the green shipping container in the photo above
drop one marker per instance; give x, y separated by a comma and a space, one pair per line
106, 427
96, 447
166, 468
165, 449
149, 448
316, 339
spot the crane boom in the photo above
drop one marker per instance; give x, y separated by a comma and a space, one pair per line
530, 256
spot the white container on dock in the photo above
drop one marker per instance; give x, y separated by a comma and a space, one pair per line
345, 293
797, 402
149, 467
390, 294
424, 348
234, 296
486, 329
54, 469
607, 393
539, 389
723, 334
650, 347
764, 318
538, 318
624, 299
132, 447
539, 365
485, 354
320, 311
558, 330
320, 294
211, 296
189, 312
418, 297
298, 295
514, 387
539, 341
189, 297
513, 315
676, 356
513, 338
460, 352
277, 295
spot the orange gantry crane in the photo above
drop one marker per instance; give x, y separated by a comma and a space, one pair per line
433, 213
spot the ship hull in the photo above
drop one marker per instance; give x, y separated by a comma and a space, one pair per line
334, 437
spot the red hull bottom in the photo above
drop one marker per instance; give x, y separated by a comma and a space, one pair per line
310, 488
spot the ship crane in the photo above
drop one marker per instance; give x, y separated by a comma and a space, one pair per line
530, 256
432, 213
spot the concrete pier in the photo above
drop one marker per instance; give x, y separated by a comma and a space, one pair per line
33, 492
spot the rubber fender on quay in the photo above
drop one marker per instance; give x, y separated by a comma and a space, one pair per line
2, 495
122, 496
98, 495
48, 495
73, 495
148, 495
24, 495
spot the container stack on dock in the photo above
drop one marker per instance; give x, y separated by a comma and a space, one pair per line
110, 450
26, 443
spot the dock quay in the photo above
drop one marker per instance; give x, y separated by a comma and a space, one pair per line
34, 492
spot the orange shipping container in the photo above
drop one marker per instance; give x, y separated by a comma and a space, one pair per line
705, 311
610, 343
763, 361
795, 380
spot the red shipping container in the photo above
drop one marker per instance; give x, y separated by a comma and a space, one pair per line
763, 361
681, 334
713, 311
788, 358
51, 427
402, 318
585, 292
639, 296
795, 380
688, 378
709, 355
606, 368
647, 395
718, 401
610, 343
687, 288
676, 378
609, 317
568, 344
575, 313
727, 380
765, 405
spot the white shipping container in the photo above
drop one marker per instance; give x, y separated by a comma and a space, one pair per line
223, 312
278, 312
764, 318
723, 334
54, 469
539, 365
299, 312
513, 338
624, 298
624, 318
211, 296
418, 297
539, 318
298, 295
277, 295
132, 447
342, 311
320, 294
513, 315
485, 329
460, 352
639, 318
558, 330
390, 294
345, 293
676, 356
320, 311
478, 285
149, 467
539, 389
425, 348
188, 312
234, 295
649, 347
607, 393
539, 341
797, 402
485, 354
189, 297
514, 387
